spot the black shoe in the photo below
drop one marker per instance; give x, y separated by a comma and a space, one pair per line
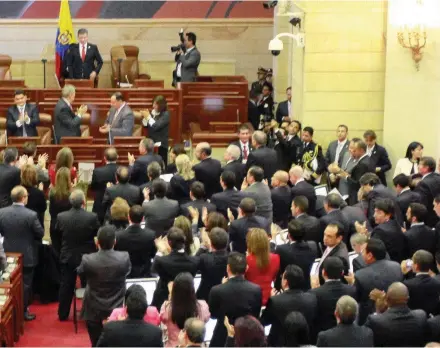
29, 316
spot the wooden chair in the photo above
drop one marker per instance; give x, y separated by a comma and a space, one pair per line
5, 67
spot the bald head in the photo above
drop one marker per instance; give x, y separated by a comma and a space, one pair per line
195, 330
295, 173
397, 294
111, 155
280, 178
203, 150
259, 139
232, 153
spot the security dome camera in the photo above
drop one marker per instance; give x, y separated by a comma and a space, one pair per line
276, 46
275, 52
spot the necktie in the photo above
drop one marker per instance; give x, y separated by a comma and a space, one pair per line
338, 152
83, 53
245, 152
413, 169
24, 122
114, 118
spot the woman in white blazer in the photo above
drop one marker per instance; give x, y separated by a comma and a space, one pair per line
409, 164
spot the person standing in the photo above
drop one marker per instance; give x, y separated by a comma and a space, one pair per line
188, 61
284, 108
22, 233
9, 175
23, 118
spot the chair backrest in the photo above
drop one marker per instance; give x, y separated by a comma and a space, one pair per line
5, 66
129, 66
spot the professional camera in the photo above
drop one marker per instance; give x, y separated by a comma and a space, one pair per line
180, 46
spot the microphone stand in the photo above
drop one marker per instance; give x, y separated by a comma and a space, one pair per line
120, 60
44, 61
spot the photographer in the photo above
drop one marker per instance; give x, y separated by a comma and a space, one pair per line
188, 59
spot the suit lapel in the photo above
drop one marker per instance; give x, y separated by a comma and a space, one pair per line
88, 52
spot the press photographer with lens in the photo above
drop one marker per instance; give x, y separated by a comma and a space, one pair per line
187, 58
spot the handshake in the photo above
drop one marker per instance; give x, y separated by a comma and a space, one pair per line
81, 110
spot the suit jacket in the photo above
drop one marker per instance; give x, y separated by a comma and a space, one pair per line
128, 192
253, 114
81, 70
77, 228
361, 167
391, 234
9, 178
379, 159
302, 254
340, 251
66, 123
160, 214
101, 176
281, 203
327, 295
190, 63
335, 216
139, 243
212, 266
260, 192
12, 116
265, 158
404, 199
239, 228
352, 214
198, 204
238, 168
22, 232
234, 299
424, 293
106, 272
279, 306
330, 155
130, 333
227, 199
421, 237
303, 188
380, 192
358, 263
168, 267
429, 188
288, 149
282, 111
378, 275
208, 172
344, 335
138, 172
434, 329
312, 228
158, 132
249, 149
180, 188
122, 125
399, 327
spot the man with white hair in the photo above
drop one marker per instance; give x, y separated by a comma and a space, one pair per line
263, 156
233, 163
67, 123
302, 188
208, 171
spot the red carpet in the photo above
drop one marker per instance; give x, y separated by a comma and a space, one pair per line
47, 331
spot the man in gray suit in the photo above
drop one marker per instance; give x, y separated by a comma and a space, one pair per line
120, 119
106, 272
161, 211
188, 62
336, 149
255, 188
22, 234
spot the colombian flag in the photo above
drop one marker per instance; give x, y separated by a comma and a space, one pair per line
65, 36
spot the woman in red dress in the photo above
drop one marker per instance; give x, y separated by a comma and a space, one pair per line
64, 159
263, 266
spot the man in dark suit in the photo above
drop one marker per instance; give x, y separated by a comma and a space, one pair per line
399, 326
257, 86
293, 298
230, 198
212, 264
419, 236
234, 298
101, 176
302, 188
255, 188
247, 219
9, 175
310, 223
253, 111
78, 229
120, 119
169, 266
296, 251
138, 242
83, 59
188, 61
358, 242
284, 108
329, 293
197, 194
378, 274
22, 233
266, 104
346, 333
379, 161
132, 331
428, 187
338, 148
283, 148
234, 164
208, 171
405, 196
106, 272
352, 215
262, 156
161, 211
310, 157
122, 189
67, 123
332, 204
23, 118
281, 199
243, 142
138, 167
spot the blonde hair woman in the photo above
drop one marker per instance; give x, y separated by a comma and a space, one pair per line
64, 159
119, 213
263, 266
180, 183
192, 243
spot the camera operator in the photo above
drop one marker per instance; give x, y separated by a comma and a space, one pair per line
188, 59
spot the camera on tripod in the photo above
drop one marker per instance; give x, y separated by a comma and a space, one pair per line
181, 46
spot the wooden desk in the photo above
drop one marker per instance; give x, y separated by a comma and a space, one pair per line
15, 271
7, 321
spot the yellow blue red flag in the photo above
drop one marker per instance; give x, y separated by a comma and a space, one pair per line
65, 36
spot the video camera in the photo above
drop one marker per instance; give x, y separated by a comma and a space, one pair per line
180, 46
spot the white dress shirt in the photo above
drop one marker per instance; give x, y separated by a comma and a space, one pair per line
179, 66
339, 148
21, 111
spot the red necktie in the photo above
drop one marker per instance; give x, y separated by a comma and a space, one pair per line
245, 152
83, 53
